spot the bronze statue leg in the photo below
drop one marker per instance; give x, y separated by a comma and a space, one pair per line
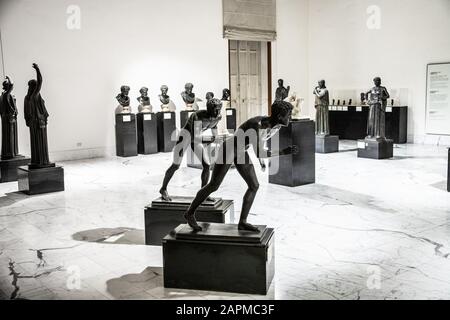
218, 174
178, 154
247, 172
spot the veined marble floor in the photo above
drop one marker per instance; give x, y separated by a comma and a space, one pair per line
367, 230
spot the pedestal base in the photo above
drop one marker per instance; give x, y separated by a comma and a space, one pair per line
147, 133
184, 117
37, 181
8, 168
231, 119
373, 149
295, 169
126, 143
219, 258
327, 144
166, 127
161, 217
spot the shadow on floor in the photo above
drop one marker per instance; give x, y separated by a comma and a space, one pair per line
150, 278
442, 185
12, 198
112, 236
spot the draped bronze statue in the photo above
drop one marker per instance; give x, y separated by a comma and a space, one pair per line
8, 113
322, 113
377, 99
36, 116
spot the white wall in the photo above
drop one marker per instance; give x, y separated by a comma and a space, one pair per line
348, 55
290, 50
137, 43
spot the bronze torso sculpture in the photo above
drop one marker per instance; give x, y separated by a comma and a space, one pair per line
281, 92
322, 102
36, 116
8, 113
377, 99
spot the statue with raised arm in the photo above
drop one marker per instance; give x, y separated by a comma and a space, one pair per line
190, 136
281, 93
322, 101
124, 100
377, 99
8, 113
36, 116
251, 133
144, 101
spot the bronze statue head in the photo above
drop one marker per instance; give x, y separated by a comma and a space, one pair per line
280, 82
144, 91
213, 106
226, 94
209, 96
281, 112
124, 90
322, 84
31, 86
188, 87
164, 89
377, 81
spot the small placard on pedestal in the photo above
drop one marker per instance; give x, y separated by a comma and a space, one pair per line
295, 169
8, 168
166, 128
43, 180
126, 143
327, 144
163, 216
231, 119
147, 133
219, 258
375, 149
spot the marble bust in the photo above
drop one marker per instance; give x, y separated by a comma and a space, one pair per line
124, 100
144, 101
296, 103
189, 97
167, 105
281, 92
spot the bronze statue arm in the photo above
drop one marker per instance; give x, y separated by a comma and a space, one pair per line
39, 79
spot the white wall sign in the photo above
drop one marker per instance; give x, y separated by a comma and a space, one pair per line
438, 98
167, 115
147, 117
126, 118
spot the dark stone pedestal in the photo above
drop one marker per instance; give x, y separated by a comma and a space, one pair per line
126, 144
219, 258
37, 181
373, 149
147, 133
448, 171
166, 127
299, 169
231, 119
161, 216
184, 117
327, 144
8, 168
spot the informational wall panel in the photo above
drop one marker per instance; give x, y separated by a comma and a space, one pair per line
438, 98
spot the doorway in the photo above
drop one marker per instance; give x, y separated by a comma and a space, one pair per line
249, 77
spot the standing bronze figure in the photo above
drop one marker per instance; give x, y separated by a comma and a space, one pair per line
281, 93
377, 99
36, 116
8, 113
322, 113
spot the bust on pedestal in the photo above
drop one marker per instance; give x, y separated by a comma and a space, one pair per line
126, 142
189, 97
166, 122
41, 176
10, 157
147, 133
375, 145
325, 143
230, 113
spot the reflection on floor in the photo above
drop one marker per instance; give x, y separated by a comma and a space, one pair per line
367, 230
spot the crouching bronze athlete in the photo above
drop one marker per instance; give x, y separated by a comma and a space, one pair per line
236, 151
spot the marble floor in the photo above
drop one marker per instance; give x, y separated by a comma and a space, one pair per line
366, 230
